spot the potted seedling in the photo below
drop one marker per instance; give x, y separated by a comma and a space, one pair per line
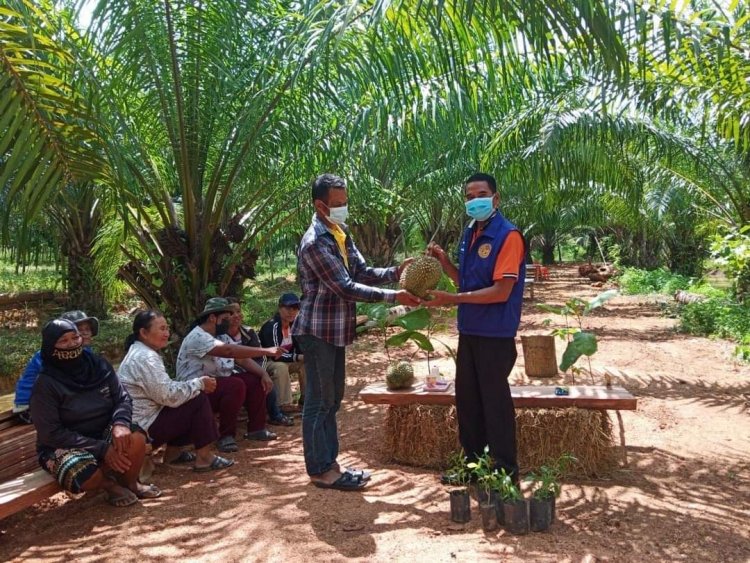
483, 470
580, 342
400, 375
459, 495
547, 487
515, 507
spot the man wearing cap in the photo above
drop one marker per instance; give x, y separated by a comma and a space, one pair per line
278, 332
207, 351
489, 277
334, 276
88, 327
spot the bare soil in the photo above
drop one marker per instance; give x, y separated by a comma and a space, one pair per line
684, 496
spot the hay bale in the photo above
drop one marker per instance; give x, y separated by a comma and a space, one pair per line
425, 435
421, 435
545, 434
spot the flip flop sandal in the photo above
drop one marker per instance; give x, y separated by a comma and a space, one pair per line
283, 420
264, 435
217, 464
227, 445
184, 457
360, 474
121, 501
151, 491
347, 482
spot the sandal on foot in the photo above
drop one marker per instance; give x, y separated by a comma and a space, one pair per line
264, 435
184, 457
149, 491
217, 463
283, 420
347, 482
127, 498
360, 474
227, 445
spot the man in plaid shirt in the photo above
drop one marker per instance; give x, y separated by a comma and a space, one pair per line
334, 276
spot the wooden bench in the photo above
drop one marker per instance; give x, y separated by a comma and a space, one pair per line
596, 397
22, 482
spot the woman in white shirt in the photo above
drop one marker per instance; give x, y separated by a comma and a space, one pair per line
176, 413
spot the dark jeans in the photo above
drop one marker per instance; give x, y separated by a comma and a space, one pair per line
324, 390
484, 406
255, 400
190, 423
272, 405
226, 401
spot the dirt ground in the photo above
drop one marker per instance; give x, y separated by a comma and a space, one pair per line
685, 495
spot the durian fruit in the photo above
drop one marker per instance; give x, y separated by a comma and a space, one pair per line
399, 376
422, 275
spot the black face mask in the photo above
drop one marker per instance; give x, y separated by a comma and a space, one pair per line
61, 356
222, 327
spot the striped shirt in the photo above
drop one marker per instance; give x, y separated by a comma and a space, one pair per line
330, 290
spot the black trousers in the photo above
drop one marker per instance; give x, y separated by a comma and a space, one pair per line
484, 406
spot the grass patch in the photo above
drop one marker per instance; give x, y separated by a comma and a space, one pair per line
35, 278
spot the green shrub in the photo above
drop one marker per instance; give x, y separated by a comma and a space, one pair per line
717, 317
634, 281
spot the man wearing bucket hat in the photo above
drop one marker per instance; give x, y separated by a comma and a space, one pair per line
88, 327
489, 277
208, 351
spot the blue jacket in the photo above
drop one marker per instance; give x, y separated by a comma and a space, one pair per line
476, 266
25, 383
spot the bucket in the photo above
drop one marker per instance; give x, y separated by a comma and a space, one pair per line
539, 355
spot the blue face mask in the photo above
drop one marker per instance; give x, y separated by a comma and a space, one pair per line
480, 208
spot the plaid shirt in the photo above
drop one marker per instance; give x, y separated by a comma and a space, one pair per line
330, 291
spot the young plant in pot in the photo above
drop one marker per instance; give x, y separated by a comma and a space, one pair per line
580, 342
547, 487
484, 471
515, 507
459, 494
400, 374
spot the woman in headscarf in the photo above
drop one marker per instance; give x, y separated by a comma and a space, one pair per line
82, 416
176, 413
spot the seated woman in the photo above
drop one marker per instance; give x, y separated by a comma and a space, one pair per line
83, 421
246, 336
88, 327
175, 413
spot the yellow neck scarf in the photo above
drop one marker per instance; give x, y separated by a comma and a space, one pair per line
340, 237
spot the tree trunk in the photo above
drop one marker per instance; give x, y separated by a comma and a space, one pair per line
378, 243
84, 290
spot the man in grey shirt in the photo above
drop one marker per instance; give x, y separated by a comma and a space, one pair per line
207, 351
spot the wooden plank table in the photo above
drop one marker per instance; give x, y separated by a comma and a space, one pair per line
528, 396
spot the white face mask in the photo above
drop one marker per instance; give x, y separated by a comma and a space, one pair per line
338, 215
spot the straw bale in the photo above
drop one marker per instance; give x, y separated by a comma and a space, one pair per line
425, 435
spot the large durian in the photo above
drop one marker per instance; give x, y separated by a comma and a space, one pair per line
399, 376
421, 275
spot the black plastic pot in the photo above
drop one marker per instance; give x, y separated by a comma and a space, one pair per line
499, 512
540, 513
489, 518
485, 497
460, 505
517, 516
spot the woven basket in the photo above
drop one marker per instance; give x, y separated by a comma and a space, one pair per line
539, 355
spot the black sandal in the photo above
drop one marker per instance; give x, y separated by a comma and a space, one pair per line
184, 457
217, 464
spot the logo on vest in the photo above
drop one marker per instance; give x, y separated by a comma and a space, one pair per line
484, 250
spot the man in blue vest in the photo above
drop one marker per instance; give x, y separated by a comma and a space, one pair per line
489, 277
